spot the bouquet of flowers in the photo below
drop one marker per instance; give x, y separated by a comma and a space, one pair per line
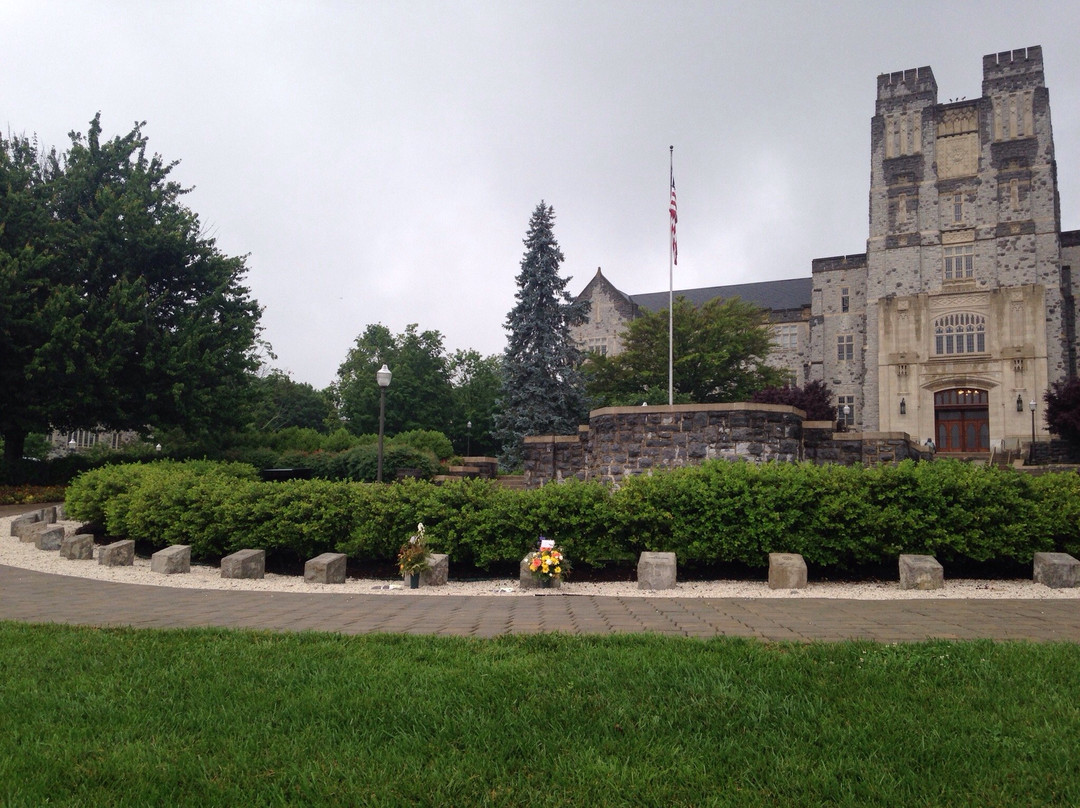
548, 562
413, 557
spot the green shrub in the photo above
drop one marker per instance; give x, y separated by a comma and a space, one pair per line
426, 440
836, 517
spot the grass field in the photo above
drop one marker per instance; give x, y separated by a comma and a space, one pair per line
95, 717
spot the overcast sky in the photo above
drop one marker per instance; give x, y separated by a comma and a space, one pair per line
379, 161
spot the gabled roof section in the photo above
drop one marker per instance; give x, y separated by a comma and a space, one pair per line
793, 293
600, 282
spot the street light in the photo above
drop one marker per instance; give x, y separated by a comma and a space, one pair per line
847, 415
468, 439
1031, 458
382, 376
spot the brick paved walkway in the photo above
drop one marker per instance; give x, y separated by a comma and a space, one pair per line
36, 597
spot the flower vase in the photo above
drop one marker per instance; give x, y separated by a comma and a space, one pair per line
414, 580
545, 583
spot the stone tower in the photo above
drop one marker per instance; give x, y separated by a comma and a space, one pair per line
960, 312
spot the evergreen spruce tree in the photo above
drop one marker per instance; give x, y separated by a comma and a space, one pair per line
543, 392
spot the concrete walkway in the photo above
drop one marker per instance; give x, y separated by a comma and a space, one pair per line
36, 597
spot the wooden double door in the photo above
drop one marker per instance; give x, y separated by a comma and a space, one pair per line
962, 420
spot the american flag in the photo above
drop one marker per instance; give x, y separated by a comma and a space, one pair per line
674, 210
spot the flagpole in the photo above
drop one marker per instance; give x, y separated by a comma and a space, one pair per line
671, 282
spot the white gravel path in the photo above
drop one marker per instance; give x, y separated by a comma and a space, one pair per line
15, 553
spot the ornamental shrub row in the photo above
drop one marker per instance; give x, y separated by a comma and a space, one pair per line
835, 516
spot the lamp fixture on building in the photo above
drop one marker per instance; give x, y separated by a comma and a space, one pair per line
382, 376
903, 407
1019, 403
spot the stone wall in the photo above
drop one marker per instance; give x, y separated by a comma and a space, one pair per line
631, 440
548, 458
822, 444
624, 441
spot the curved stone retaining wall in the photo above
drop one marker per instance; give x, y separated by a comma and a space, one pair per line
623, 441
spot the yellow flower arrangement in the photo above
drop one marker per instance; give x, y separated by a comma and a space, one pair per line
548, 561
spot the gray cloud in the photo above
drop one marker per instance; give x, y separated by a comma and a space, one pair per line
379, 161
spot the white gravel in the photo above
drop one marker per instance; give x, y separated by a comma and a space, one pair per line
15, 553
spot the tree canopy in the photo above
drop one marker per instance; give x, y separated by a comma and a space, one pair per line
419, 395
280, 403
477, 381
543, 391
116, 311
720, 350
1063, 410
815, 399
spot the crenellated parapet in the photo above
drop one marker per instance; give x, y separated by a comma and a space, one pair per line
1013, 71
904, 86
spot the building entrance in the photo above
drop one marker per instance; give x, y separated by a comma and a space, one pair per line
962, 420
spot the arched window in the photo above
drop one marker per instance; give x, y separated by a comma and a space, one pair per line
960, 333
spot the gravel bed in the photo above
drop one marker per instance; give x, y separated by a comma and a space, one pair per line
15, 553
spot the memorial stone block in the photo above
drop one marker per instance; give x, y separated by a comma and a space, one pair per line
656, 571
117, 554
438, 571
1057, 570
328, 568
526, 579
173, 560
48, 537
77, 548
787, 571
244, 564
921, 572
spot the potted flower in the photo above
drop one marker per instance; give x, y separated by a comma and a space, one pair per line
547, 563
414, 557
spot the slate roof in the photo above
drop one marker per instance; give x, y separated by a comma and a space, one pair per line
793, 293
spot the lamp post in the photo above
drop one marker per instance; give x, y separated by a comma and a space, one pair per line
847, 415
1031, 453
468, 439
382, 376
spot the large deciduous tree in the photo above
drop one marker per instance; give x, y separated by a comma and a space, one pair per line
477, 382
419, 395
543, 391
279, 403
720, 350
115, 309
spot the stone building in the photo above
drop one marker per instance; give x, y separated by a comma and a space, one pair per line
961, 311
787, 302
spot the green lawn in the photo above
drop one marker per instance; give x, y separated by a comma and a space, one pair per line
211, 717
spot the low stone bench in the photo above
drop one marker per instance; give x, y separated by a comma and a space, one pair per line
48, 537
656, 571
437, 572
244, 564
1057, 570
173, 560
117, 554
787, 571
526, 579
77, 548
328, 568
921, 572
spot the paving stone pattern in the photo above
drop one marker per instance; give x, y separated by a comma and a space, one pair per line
37, 597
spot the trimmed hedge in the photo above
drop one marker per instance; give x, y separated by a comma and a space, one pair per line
835, 516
